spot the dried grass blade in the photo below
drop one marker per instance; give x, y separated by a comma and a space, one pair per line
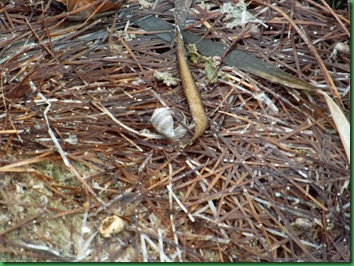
14, 167
341, 122
10, 131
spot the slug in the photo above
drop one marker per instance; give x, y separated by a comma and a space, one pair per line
190, 89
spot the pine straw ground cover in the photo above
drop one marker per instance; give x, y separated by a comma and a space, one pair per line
268, 181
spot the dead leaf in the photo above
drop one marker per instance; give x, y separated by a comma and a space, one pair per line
341, 122
88, 8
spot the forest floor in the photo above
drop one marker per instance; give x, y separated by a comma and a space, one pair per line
268, 181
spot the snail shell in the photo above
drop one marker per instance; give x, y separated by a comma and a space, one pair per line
111, 225
162, 121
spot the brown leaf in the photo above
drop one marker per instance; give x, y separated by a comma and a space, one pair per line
88, 8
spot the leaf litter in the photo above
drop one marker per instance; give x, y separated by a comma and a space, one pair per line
268, 181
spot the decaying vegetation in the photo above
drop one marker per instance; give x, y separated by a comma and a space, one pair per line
268, 181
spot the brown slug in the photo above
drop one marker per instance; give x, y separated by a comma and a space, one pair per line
190, 89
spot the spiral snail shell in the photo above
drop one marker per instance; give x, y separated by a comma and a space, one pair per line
162, 121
